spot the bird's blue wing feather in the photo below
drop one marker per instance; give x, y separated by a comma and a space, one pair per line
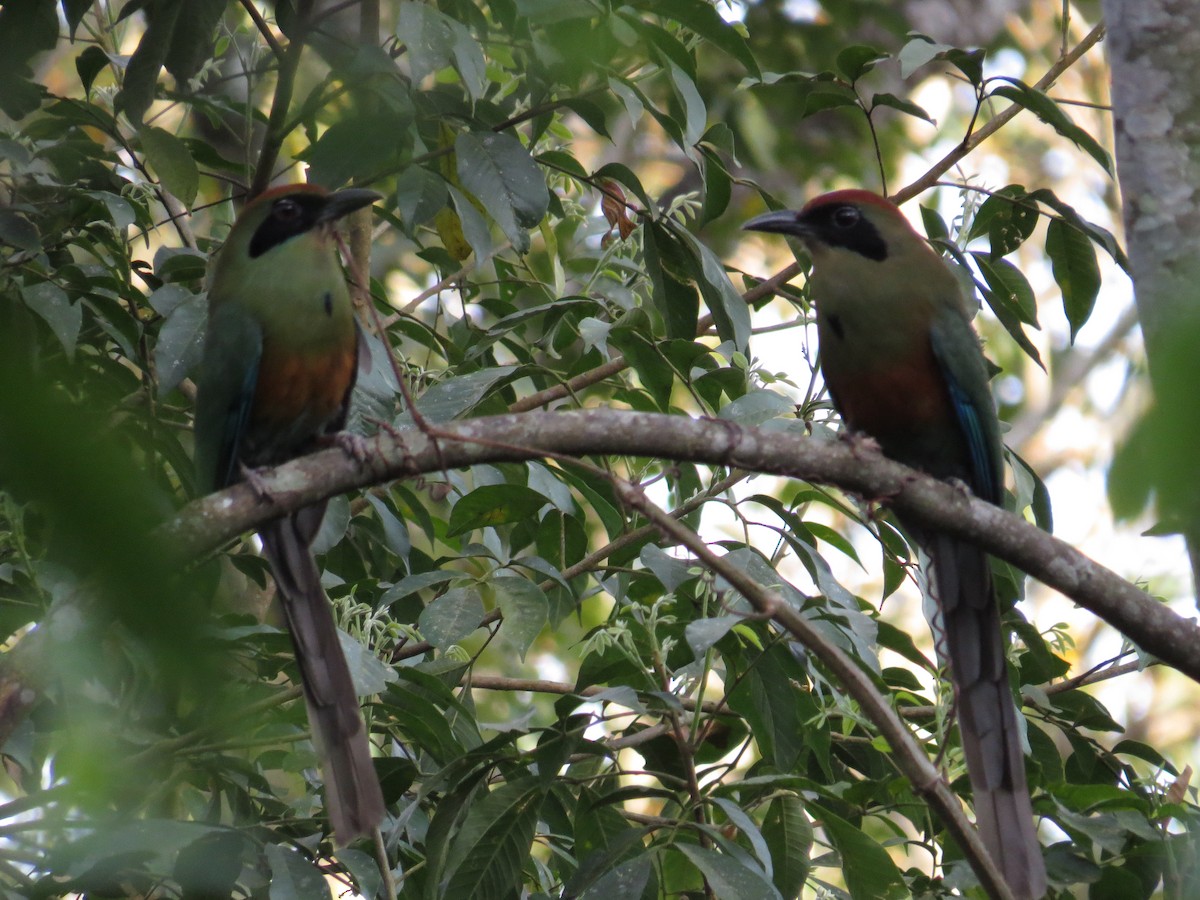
966, 379
227, 379
968, 418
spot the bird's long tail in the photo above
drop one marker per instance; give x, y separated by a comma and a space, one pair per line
987, 716
353, 797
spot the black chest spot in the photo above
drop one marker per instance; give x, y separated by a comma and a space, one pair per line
328, 303
835, 325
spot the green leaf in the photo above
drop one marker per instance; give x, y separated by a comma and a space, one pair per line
789, 837
119, 210
1073, 261
356, 148
630, 336
1100, 236
701, 634
623, 174
868, 869
525, 608
1031, 491
453, 397
486, 856
395, 532
593, 114
677, 302
904, 106
669, 570
140, 84
333, 526
1008, 218
1143, 751
767, 700
728, 878
17, 231
180, 341
1005, 315
634, 107
1042, 106
422, 722
918, 52
935, 227
695, 114
88, 64
26, 28
210, 865
731, 314
1117, 883
491, 505
451, 618
500, 173
666, 46
370, 676
704, 19
293, 877
364, 868
73, 12
65, 318
718, 186
563, 161
420, 195
748, 829
629, 879
857, 60
435, 41
1009, 287
969, 62
757, 407
468, 59
476, 230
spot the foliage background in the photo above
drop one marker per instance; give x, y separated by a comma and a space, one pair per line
564, 184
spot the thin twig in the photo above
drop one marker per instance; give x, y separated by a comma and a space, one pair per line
289, 65
619, 364
263, 28
998, 121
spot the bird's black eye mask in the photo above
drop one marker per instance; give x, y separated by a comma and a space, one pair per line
289, 216
844, 225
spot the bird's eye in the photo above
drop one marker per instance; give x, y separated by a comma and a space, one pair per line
846, 216
286, 210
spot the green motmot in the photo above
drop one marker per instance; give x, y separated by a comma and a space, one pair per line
281, 354
904, 366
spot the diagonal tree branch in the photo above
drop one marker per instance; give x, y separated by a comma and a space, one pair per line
905, 751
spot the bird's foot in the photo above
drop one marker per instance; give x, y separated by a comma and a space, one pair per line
859, 442
253, 478
386, 427
353, 445
960, 487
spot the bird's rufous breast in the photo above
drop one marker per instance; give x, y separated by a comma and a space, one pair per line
903, 394
302, 394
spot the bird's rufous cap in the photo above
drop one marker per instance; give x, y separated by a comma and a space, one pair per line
799, 223
857, 196
339, 202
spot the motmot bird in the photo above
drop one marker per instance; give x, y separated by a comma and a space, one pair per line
904, 366
281, 355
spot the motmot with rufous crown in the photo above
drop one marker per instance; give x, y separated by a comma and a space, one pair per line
281, 354
904, 366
